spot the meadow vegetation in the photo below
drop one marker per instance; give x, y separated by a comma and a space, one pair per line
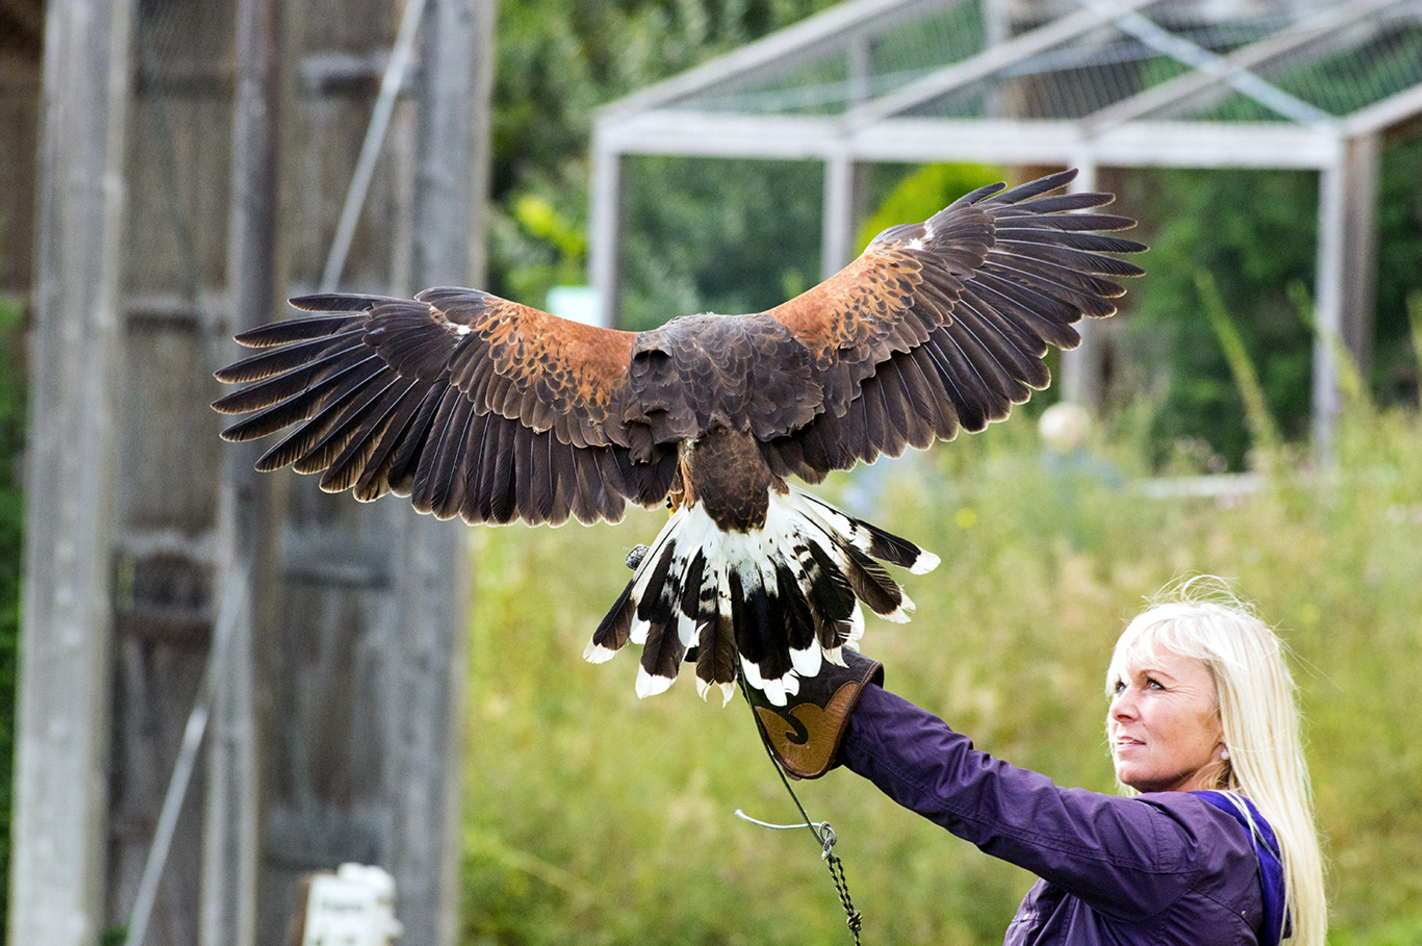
593, 817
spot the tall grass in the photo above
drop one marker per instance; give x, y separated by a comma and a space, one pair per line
593, 817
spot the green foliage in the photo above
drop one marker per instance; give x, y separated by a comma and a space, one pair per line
557, 63
925, 191
1414, 314
720, 236
593, 817
552, 249
742, 236
12, 441
1254, 233
1399, 253
1257, 418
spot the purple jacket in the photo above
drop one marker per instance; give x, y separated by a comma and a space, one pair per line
1159, 868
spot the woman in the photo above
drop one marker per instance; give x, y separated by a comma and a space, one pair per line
1214, 842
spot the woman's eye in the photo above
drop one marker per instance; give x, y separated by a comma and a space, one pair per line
1120, 685
1154, 684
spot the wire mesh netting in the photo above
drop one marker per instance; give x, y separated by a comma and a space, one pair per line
856, 65
1303, 62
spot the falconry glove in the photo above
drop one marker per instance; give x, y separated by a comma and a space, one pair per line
805, 734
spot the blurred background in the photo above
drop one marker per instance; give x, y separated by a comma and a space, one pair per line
376, 687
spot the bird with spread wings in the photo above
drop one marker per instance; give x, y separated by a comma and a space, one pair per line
479, 407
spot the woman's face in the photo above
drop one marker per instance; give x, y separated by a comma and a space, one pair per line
1164, 721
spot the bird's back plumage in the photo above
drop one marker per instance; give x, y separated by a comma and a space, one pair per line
480, 407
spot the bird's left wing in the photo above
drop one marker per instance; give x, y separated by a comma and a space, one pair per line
944, 325
470, 404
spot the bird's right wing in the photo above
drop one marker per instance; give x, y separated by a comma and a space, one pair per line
470, 404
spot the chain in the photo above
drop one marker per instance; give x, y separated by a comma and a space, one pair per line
822, 831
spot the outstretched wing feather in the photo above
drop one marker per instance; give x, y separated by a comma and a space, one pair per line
944, 325
426, 398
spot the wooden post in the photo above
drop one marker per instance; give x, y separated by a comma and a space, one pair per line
1343, 288
235, 779
425, 631
843, 195
605, 225
846, 182
1081, 367
57, 881
1362, 172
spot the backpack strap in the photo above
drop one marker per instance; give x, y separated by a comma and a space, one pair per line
1266, 849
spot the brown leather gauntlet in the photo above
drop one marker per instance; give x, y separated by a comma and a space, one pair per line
805, 734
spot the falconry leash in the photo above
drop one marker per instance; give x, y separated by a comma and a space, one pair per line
823, 833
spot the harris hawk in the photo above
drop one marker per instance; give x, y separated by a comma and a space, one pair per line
483, 408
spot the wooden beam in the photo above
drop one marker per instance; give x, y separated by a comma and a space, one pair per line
1328, 306
1362, 175
993, 141
1382, 115
237, 774
842, 187
1344, 288
423, 633
1081, 381
846, 181
57, 880
718, 134
605, 225
1344, 284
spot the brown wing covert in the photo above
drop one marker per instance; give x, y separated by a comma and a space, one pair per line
469, 404
944, 325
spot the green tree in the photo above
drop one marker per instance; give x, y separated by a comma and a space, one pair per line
1395, 368
1254, 233
557, 63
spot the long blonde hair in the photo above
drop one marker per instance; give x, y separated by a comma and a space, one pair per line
1204, 619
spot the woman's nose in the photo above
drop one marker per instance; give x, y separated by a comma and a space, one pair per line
1123, 706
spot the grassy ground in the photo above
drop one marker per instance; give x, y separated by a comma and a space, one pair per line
593, 817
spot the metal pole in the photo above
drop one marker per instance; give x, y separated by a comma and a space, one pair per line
183, 767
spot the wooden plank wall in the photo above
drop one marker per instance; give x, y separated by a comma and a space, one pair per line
347, 668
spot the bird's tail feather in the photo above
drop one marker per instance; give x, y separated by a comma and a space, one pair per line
771, 603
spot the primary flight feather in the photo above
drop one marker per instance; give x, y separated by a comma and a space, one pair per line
479, 407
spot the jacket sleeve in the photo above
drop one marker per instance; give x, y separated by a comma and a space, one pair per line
1125, 857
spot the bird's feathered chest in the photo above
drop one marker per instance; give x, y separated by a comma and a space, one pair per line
701, 372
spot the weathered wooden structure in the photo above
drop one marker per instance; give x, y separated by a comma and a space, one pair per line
1095, 84
193, 161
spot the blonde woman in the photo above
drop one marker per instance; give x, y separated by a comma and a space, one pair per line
1214, 842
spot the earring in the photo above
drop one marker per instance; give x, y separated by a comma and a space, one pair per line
1224, 753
